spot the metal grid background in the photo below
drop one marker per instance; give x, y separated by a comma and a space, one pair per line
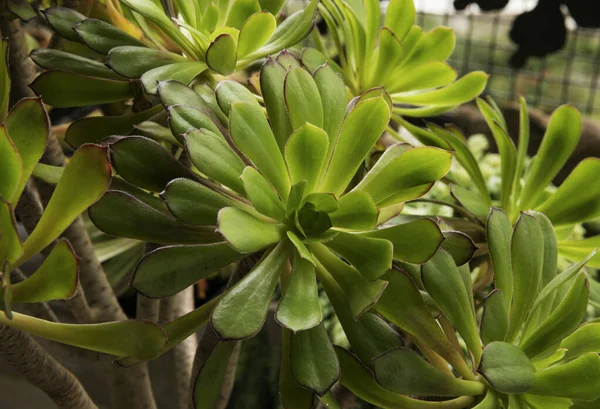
570, 76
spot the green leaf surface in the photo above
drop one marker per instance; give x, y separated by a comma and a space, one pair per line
55, 59
94, 129
459, 246
546, 402
494, 321
489, 402
195, 203
212, 156
221, 55
313, 361
305, 154
169, 270
242, 310
182, 72
360, 130
527, 258
400, 15
359, 381
262, 195
137, 339
414, 241
561, 138
229, 92
146, 163
183, 119
272, 75
444, 283
356, 212
506, 368
578, 379
255, 32
499, 234
4, 79
471, 201
302, 99
585, 339
404, 372
62, 20
253, 136
10, 243
63, 89
292, 395
299, 308
361, 294
333, 96
246, 233
370, 256
102, 37
562, 321
121, 214
83, 182
55, 279
577, 198
12, 166
408, 176
47, 173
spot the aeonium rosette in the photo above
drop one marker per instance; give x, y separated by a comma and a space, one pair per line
285, 180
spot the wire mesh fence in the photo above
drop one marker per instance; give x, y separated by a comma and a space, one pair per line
482, 43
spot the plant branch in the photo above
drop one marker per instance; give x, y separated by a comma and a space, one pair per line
43, 371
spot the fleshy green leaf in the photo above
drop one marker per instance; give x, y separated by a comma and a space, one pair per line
55, 59
195, 203
255, 32
356, 211
563, 320
577, 198
242, 311
361, 128
62, 20
229, 92
408, 176
585, 339
63, 89
4, 79
121, 214
459, 246
471, 201
292, 395
527, 258
359, 381
183, 119
272, 76
578, 379
83, 182
10, 243
507, 368
182, 72
414, 242
313, 361
494, 321
499, 233
546, 402
102, 37
443, 282
55, 279
137, 339
361, 294
146, 163
305, 154
251, 133
400, 15
333, 96
299, 308
94, 129
404, 372
560, 139
169, 270
302, 99
221, 55
212, 155
246, 233
12, 166
262, 195
370, 256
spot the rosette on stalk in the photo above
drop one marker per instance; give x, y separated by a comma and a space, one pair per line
285, 181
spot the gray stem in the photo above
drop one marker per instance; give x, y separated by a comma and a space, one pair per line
43, 371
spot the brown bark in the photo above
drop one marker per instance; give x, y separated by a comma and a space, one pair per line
43, 371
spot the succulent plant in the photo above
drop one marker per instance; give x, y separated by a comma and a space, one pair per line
399, 56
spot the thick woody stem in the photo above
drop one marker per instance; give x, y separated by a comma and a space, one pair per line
181, 356
43, 371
